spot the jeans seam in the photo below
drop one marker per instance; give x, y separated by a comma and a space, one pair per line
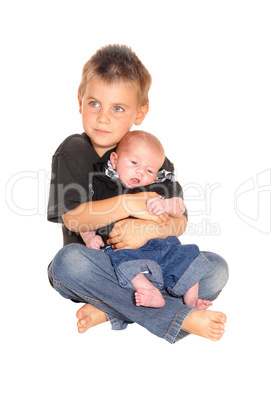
96, 301
211, 298
118, 322
175, 321
79, 294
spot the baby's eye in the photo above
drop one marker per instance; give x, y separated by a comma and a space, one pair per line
118, 109
150, 171
134, 163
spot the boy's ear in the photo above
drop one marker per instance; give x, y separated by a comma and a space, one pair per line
142, 112
113, 159
80, 102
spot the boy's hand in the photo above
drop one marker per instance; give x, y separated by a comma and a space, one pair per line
136, 206
157, 205
129, 233
134, 233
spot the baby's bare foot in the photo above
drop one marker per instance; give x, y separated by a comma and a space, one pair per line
88, 317
203, 304
205, 323
196, 303
149, 298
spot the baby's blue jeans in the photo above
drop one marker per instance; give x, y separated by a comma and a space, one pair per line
166, 263
86, 275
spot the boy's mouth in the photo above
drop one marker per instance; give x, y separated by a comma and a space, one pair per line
102, 131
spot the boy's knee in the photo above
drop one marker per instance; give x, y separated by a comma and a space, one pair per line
76, 261
219, 274
222, 272
66, 262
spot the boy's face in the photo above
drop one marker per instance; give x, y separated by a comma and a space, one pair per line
138, 166
108, 113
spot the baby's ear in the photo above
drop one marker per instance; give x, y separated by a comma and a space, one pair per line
113, 159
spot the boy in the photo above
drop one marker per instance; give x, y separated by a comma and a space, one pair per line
135, 164
113, 95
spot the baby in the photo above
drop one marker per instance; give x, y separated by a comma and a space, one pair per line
136, 164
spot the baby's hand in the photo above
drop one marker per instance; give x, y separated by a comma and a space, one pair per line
92, 240
95, 242
156, 205
135, 206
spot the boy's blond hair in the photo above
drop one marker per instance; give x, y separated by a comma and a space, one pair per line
140, 136
117, 63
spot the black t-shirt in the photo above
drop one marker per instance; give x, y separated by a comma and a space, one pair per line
73, 169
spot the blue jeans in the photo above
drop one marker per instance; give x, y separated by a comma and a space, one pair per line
86, 275
166, 263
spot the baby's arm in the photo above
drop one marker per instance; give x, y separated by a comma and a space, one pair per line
174, 206
92, 240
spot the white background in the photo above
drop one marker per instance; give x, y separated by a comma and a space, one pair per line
213, 107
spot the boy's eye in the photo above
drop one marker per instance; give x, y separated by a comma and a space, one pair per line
134, 163
150, 171
118, 109
94, 104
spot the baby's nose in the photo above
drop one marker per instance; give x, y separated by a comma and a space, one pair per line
140, 171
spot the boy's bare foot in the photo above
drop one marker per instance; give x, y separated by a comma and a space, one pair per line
205, 323
88, 317
149, 297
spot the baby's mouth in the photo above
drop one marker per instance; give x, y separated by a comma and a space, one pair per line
134, 182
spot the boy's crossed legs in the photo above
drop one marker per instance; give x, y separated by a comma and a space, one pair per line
205, 323
65, 275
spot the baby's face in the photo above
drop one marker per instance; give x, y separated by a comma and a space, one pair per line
138, 166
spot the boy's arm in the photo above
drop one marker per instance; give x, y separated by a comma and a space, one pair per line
134, 233
93, 215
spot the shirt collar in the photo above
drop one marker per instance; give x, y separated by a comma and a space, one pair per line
161, 176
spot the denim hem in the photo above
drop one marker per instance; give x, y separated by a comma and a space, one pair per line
116, 325
197, 270
175, 333
128, 270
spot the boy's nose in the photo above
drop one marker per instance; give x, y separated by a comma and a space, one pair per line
103, 117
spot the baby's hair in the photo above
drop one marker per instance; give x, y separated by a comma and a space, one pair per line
140, 136
117, 63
